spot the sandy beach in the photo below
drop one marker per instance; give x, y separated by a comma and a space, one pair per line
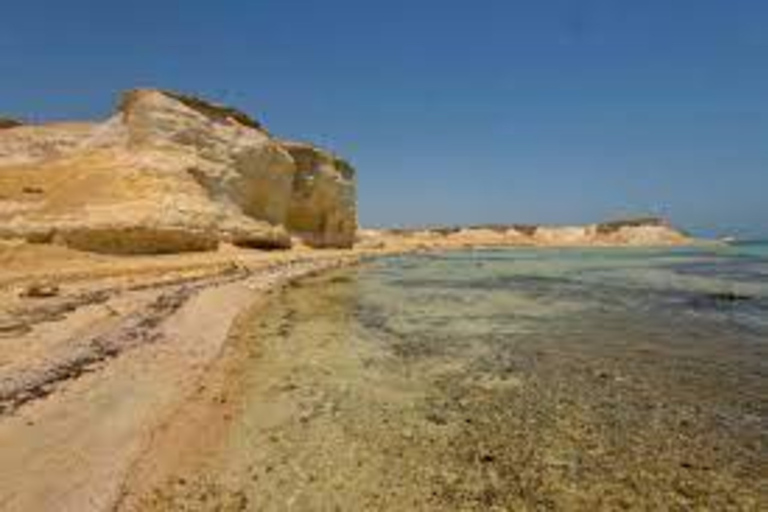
100, 351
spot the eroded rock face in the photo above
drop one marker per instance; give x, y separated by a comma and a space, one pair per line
323, 198
170, 173
32, 143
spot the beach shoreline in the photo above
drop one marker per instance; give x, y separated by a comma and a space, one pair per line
108, 348
380, 388
103, 362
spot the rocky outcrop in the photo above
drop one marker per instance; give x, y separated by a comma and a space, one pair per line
7, 122
169, 173
35, 143
322, 205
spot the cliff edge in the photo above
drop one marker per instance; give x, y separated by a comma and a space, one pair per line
169, 172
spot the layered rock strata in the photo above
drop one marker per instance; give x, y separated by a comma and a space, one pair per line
169, 173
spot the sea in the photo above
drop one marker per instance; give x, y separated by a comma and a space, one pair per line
507, 379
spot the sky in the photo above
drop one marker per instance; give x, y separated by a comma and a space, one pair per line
546, 111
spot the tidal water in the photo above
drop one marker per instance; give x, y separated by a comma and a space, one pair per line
516, 379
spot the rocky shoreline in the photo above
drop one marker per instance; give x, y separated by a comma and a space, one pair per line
103, 364
102, 349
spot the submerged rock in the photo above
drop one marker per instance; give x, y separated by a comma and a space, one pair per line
729, 297
720, 299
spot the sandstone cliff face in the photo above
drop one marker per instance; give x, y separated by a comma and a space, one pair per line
170, 173
30, 143
322, 203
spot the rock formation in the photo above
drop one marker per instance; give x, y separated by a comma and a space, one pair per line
7, 122
322, 205
167, 173
644, 231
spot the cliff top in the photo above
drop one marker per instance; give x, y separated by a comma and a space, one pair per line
205, 107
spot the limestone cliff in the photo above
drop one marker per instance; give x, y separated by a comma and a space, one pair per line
645, 231
166, 173
322, 203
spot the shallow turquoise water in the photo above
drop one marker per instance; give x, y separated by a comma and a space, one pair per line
630, 361
521, 379
684, 290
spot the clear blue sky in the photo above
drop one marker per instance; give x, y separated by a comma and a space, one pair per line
452, 111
